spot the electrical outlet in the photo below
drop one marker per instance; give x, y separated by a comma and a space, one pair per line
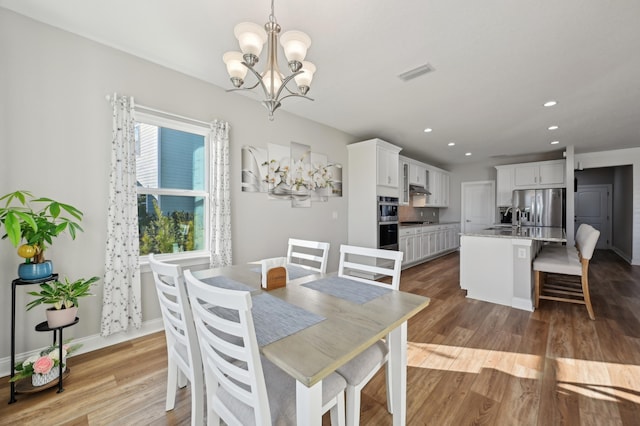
421, 214
522, 254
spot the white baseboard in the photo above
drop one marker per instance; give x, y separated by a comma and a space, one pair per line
521, 303
91, 343
623, 255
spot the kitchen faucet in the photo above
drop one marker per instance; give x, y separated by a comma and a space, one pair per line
516, 211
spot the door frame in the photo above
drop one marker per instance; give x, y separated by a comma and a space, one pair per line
492, 200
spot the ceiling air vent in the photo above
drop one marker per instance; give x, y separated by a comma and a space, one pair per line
416, 72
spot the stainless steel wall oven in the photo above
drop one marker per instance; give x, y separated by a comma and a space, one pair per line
388, 223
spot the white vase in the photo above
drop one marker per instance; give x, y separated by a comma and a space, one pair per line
60, 317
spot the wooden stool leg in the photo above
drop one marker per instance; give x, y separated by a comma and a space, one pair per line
585, 288
537, 278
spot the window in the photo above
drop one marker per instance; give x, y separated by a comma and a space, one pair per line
172, 177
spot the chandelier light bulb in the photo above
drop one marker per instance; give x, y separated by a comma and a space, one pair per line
303, 80
277, 81
295, 45
236, 70
251, 38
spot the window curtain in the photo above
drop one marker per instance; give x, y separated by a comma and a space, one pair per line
219, 196
121, 298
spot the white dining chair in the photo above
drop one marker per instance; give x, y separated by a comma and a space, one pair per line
244, 388
368, 265
310, 254
183, 354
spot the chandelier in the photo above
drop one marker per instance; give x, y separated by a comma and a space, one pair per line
252, 38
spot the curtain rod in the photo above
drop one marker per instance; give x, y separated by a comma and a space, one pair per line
169, 114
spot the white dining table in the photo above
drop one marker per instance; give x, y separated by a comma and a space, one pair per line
349, 328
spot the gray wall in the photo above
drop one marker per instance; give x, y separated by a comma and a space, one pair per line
622, 239
55, 132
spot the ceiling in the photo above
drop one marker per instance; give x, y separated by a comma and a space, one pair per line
496, 62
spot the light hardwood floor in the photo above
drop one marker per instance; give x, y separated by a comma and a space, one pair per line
470, 362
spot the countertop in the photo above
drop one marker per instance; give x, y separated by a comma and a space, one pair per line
541, 233
425, 223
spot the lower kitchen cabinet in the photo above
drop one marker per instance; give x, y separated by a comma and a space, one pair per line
422, 243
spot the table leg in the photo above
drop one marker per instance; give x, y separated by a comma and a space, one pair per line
398, 365
309, 404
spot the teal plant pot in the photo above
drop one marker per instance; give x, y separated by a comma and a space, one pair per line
35, 271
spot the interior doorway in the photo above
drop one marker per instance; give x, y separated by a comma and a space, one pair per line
478, 205
594, 206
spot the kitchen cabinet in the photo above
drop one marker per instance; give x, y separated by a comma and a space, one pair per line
409, 243
422, 243
368, 163
545, 174
417, 174
541, 174
504, 186
403, 178
436, 180
387, 166
439, 188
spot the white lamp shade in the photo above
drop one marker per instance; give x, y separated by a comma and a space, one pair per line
295, 44
233, 60
251, 37
277, 81
305, 77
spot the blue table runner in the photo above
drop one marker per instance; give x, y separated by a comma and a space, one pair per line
344, 288
227, 283
273, 318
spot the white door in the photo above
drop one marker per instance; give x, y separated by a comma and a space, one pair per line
478, 205
593, 206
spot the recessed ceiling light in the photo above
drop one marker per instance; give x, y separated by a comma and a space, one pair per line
553, 127
451, 143
555, 142
550, 103
468, 154
428, 130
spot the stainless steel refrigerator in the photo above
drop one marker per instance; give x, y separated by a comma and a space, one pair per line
540, 207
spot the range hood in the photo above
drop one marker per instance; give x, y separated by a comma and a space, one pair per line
417, 189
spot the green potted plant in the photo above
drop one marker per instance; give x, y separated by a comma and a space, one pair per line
36, 221
63, 296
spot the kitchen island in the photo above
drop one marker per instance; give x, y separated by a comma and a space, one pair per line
496, 263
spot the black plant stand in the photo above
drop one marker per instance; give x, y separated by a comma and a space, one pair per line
43, 326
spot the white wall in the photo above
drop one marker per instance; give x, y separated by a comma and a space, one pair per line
56, 133
620, 157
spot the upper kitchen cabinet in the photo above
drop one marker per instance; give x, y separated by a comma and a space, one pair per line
541, 174
439, 188
403, 179
387, 163
417, 174
504, 186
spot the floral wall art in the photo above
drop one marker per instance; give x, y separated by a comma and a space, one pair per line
290, 173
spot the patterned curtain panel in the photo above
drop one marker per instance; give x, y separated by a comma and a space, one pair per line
220, 196
121, 299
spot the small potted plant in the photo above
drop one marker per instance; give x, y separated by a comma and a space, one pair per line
63, 296
36, 221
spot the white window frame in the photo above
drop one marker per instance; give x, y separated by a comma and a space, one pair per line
202, 130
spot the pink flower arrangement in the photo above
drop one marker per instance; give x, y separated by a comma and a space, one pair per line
43, 365
43, 362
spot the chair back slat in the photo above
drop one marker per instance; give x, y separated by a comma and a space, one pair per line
311, 254
368, 264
